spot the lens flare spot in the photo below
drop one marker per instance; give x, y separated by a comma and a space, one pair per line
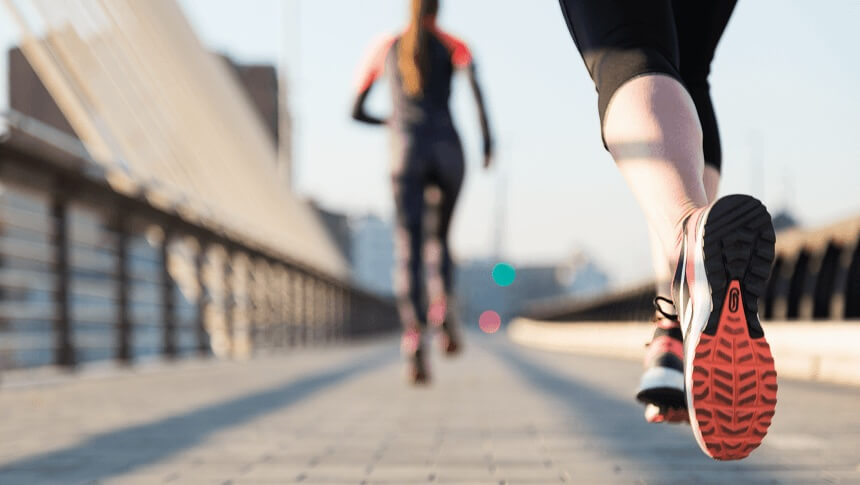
504, 274
490, 321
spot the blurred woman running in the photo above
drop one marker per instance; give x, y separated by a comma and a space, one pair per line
426, 151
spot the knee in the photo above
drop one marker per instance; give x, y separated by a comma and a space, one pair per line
614, 67
652, 116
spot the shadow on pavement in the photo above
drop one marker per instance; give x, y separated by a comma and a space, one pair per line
152, 442
655, 453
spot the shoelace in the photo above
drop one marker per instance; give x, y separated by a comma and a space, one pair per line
670, 316
660, 311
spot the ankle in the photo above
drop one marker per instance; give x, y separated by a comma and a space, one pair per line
681, 229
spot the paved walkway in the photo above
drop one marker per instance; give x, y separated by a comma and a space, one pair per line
500, 414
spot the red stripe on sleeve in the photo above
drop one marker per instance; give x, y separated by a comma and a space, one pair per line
461, 56
374, 64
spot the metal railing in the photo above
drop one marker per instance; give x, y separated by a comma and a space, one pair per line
815, 276
88, 273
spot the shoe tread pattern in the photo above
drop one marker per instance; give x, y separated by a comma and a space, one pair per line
734, 379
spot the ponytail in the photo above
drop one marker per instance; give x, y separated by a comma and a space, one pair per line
413, 57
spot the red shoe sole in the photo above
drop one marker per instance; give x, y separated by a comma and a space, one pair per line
734, 383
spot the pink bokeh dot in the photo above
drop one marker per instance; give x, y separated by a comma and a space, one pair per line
490, 321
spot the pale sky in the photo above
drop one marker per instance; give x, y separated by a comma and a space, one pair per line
784, 83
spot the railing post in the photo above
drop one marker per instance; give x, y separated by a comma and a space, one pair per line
323, 304
346, 328
290, 312
852, 285
334, 306
124, 318
203, 300
336, 312
243, 322
251, 306
229, 301
824, 288
168, 300
263, 316
797, 284
272, 293
260, 322
279, 296
840, 281
287, 303
64, 353
279, 306
298, 317
331, 305
311, 314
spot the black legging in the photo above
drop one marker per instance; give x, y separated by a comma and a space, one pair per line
430, 156
623, 39
425, 151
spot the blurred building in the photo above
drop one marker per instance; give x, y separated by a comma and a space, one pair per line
581, 276
338, 227
261, 85
477, 292
372, 253
784, 220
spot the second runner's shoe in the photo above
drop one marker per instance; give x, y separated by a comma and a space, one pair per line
661, 387
730, 380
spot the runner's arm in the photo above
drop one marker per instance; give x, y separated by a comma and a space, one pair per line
461, 58
482, 114
371, 71
359, 113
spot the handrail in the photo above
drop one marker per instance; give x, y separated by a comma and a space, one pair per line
87, 261
815, 276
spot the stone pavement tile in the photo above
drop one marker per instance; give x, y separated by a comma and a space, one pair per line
272, 473
405, 473
450, 473
144, 479
348, 459
317, 474
303, 481
510, 460
744, 477
214, 470
406, 458
525, 473
470, 481
290, 456
446, 459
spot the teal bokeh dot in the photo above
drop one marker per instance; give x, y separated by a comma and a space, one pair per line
504, 274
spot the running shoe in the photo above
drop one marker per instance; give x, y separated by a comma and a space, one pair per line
442, 315
450, 339
417, 369
412, 347
661, 388
730, 380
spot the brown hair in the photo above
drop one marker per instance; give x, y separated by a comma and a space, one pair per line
413, 58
